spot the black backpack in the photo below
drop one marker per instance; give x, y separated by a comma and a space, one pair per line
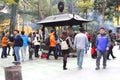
47, 41
20, 41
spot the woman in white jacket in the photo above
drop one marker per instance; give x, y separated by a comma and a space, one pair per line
36, 42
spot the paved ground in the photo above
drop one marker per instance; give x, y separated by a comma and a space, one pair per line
40, 69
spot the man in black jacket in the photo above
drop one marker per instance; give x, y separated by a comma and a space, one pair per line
111, 45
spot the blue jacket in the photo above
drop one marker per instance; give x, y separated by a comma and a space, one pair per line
25, 40
102, 42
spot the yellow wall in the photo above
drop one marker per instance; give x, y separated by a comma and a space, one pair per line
27, 29
115, 19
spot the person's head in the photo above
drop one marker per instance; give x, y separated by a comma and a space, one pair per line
34, 33
30, 35
3, 35
7, 32
53, 31
102, 30
81, 30
22, 32
37, 32
64, 35
110, 31
16, 32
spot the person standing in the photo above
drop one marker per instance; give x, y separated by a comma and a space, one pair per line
31, 46
4, 46
52, 45
102, 44
112, 44
11, 42
65, 46
80, 42
24, 47
17, 38
36, 42
8, 46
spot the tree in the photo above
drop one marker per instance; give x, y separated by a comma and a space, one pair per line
106, 8
40, 9
14, 4
13, 20
84, 5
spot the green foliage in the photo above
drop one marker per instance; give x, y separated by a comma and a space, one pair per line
9, 1
84, 5
3, 17
109, 10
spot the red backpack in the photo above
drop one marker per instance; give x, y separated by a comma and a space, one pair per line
44, 55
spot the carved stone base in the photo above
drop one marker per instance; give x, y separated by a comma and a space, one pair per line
13, 73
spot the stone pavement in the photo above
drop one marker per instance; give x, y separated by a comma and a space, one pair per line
41, 69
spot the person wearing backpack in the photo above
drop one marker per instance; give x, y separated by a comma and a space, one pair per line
64, 41
17, 44
24, 46
52, 45
36, 42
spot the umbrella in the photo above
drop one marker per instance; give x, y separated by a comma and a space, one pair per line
63, 20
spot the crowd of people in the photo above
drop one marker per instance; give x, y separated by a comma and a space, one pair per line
102, 45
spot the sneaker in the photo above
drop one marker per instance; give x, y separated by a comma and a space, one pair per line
47, 59
104, 67
114, 57
97, 68
58, 59
16, 63
108, 59
80, 68
64, 68
8, 55
30, 58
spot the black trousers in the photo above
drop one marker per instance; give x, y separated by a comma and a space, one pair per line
36, 48
31, 51
14, 54
8, 50
65, 54
49, 52
110, 52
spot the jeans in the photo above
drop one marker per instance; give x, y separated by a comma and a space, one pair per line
16, 49
4, 52
80, 54
87, 47
23, 53
58, 50
99, 54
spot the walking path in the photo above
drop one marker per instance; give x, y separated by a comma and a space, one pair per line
41, 69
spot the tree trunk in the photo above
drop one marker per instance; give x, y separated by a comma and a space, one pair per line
103, 14
117, 12
103, 17
13, 20
40, 9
